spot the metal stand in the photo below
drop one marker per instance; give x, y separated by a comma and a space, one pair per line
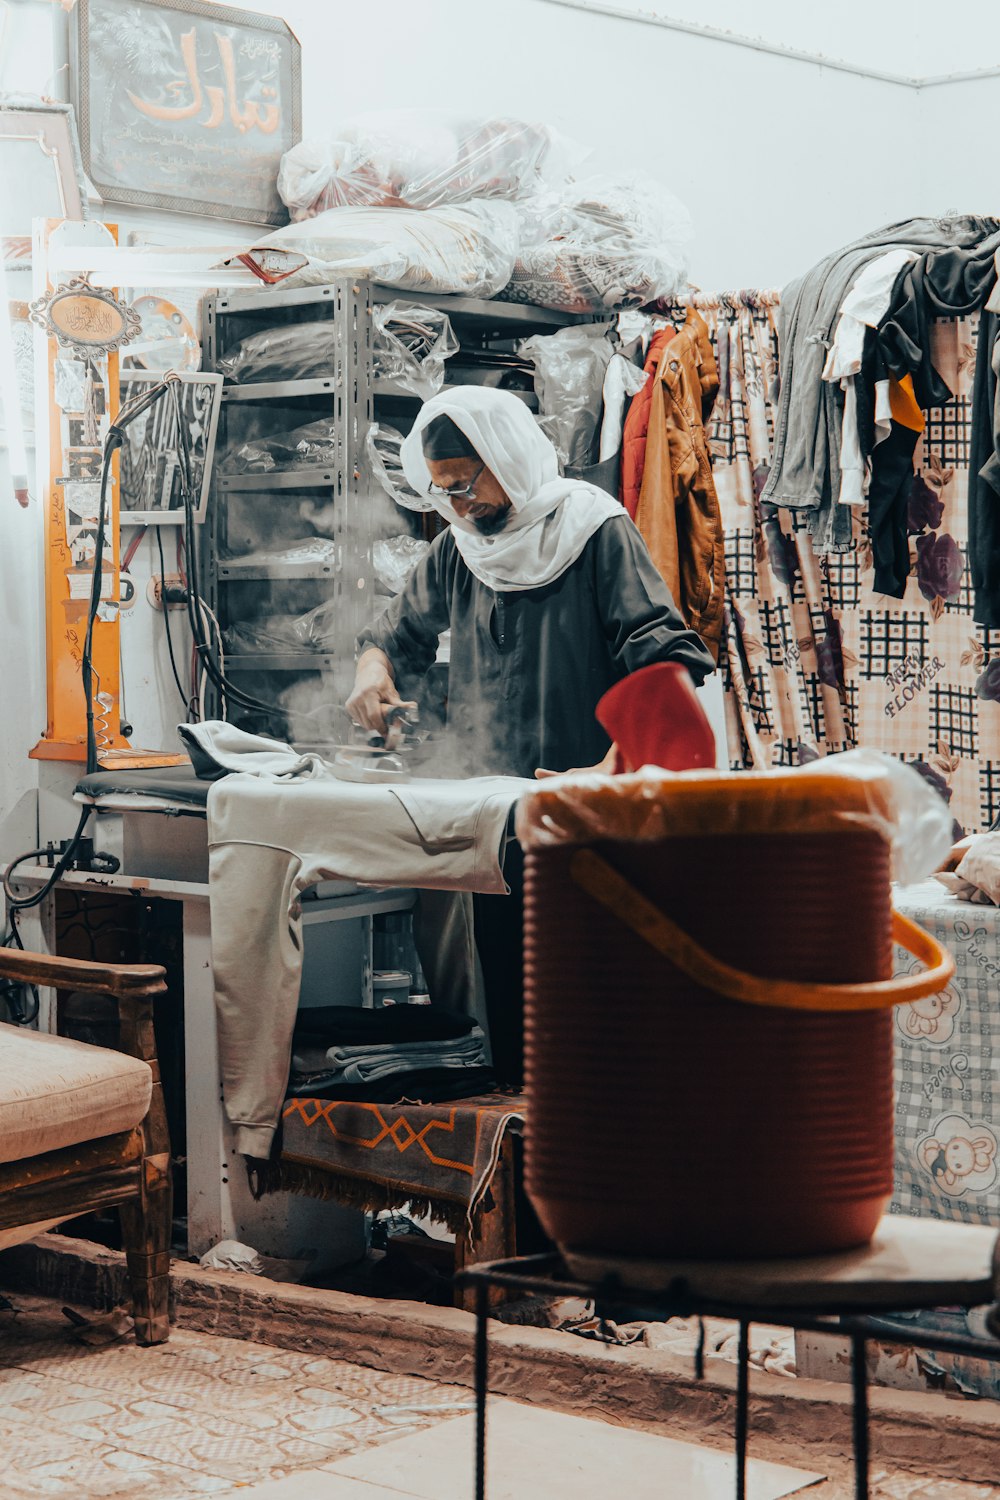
742, 1408
482, 1382
859, 1413
544, 1275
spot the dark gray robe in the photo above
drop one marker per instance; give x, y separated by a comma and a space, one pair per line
529, 667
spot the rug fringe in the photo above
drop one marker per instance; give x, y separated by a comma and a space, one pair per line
267, 1177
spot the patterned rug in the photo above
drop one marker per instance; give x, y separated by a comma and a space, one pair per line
438, 1157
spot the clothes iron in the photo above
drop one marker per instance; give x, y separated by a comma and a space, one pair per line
379, 759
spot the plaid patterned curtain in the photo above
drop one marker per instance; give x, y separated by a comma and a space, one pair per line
814, 661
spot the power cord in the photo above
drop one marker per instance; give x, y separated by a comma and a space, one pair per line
13, 994
166, 624
17, 903
20, 1000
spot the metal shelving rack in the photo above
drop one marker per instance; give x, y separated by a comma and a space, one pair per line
353, 396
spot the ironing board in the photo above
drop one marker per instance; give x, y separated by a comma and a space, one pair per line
169, 785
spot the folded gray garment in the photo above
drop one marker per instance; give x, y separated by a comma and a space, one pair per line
307, 1060
368, 1064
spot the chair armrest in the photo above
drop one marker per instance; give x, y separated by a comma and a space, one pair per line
123, 981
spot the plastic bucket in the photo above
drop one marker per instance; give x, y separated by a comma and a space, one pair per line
708, 1043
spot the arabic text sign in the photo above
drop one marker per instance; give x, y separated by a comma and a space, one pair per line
186, 104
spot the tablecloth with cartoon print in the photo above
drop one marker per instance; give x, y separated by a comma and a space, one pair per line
947, 1126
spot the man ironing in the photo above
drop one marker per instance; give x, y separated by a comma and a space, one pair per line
545, 584
550, 596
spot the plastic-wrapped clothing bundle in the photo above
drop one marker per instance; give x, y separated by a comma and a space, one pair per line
294, 351
315, 631
315, 443
411, 346
598, 245
570, 367
468, 249
384, 445
275, 633
317, 552
395, 558
412, 158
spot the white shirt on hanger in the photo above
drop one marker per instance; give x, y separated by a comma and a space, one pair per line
864, 307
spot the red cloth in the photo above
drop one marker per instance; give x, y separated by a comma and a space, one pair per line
637, 426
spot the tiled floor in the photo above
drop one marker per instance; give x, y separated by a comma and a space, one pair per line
196, 1416
548, 1455
214, 1416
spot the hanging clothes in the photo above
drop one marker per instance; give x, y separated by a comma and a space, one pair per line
637, 425
940, 284
678, 509
864, 307
805, 468
889, 490
984, 471
814, 660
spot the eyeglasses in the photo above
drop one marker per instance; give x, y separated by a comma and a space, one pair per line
457, 491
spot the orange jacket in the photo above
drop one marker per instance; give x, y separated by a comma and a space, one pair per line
637, 427
678, 511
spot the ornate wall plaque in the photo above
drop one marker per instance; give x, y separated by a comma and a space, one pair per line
86, 319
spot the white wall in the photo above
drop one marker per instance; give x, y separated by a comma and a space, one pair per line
754, 145
22, 694
918, 40
955, 123
776, 159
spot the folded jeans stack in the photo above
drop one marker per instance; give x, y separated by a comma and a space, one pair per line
421, 1053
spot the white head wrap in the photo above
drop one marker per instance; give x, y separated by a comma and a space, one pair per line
551, 519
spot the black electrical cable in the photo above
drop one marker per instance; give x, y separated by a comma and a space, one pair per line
166, 622
11, 991
23, 903
14, 935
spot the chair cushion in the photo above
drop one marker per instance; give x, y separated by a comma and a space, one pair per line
55, 1092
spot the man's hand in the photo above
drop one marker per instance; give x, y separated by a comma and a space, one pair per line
374, 692
609, 766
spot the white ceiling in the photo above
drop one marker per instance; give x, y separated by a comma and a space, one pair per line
919, 38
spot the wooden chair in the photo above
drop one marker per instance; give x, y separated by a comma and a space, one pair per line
82, 1127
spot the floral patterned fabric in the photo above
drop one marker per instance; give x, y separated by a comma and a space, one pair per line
947, 1148
816, 662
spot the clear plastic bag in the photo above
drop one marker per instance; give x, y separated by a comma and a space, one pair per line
395, 558
598, 245
317, 552
384, 445
411, 346
858, 788
622, 381
467, 250
295, 351
316, 443
570, 367
413, 158
315, 631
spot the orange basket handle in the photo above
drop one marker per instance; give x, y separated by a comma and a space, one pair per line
601, 881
